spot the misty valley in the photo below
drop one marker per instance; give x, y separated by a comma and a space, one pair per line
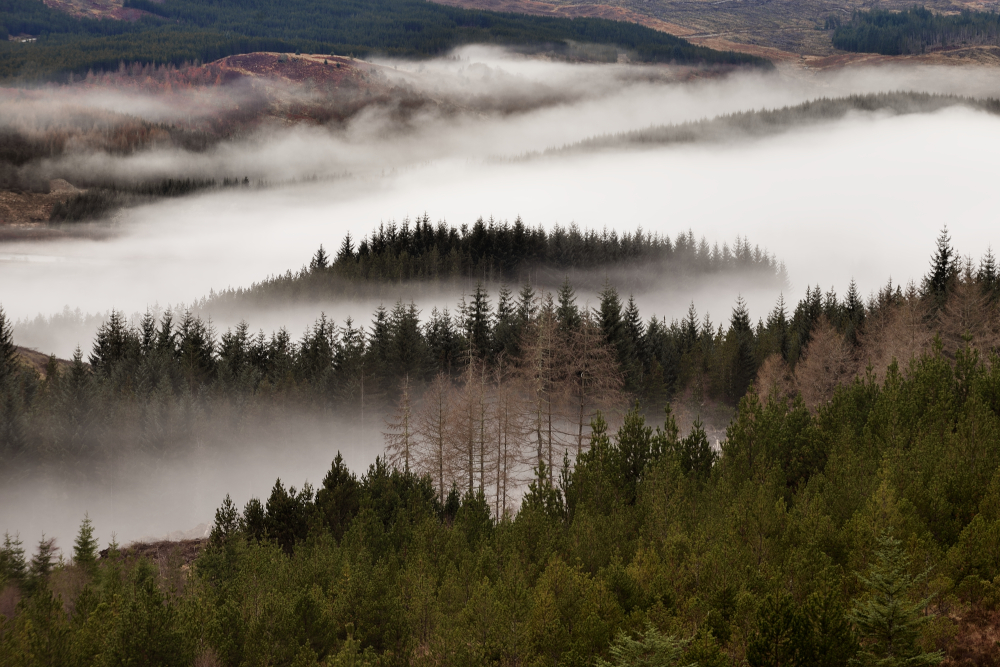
408, 333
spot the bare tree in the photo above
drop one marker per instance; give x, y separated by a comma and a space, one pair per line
512, 430
541, 367
434, 430
400, 434
827, 363
593, 379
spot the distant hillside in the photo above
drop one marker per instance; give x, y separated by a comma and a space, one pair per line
767, 122
175, 31
915, 30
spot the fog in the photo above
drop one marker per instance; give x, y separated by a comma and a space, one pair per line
863, 198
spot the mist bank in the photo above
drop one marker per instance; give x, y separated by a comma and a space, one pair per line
362, 118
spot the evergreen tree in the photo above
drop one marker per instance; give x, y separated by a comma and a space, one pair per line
41, 565
740, 340
526, 307
782, 638
888, 619
652, 649
944, 269
696, 453
567, 313
507, 329
346, 253
85, 547
320, 261
989, 276
854, 313
476, 323
8, 351
13, 566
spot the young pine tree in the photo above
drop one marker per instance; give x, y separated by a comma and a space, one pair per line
887, 618
85, 547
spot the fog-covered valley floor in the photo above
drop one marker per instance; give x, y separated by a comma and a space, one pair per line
860, 198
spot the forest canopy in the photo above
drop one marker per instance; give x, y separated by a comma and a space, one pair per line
915, 30
178, 31
850, 515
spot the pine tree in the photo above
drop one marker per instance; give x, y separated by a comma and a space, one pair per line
506, 326
346, 252
782, 638
888, 619
567, 313
8, 351
13, 566
85, 547
988, 275
526, 307
320, 261
652, 649
477, 318
41, 564
944, 268
696, 453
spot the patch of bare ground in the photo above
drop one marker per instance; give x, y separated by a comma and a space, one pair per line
976, 640
39, 362
97, 9
163, 552
780, 30
26, 209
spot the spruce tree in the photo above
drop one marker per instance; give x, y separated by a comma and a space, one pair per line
696, 453
526, 306
346, 252
320, 261
887, 617
8, 351
13, 566
567, 313
944, 268
85, 547
988, 275
41, 565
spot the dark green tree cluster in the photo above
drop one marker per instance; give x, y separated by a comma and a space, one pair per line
915, 30
850, 536
178, 30
493, 250
154, 381
759, 123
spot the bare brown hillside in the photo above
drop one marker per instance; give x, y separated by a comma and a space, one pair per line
785, 31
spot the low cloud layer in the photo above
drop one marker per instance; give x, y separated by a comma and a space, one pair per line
863, 198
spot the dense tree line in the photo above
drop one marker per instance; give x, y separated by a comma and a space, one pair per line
853, 525
98, 203
178, 30
915, 30
498, 252
866, 532
551, 362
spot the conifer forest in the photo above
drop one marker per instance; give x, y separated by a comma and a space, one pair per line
519, 333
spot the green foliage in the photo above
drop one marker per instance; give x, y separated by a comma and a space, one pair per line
181, 30
85, 547
13, 566
888, 618
914, 30
652, 649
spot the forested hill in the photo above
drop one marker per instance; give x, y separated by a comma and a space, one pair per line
174, 31
767, 122
849, 517
915, 30
495, 251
